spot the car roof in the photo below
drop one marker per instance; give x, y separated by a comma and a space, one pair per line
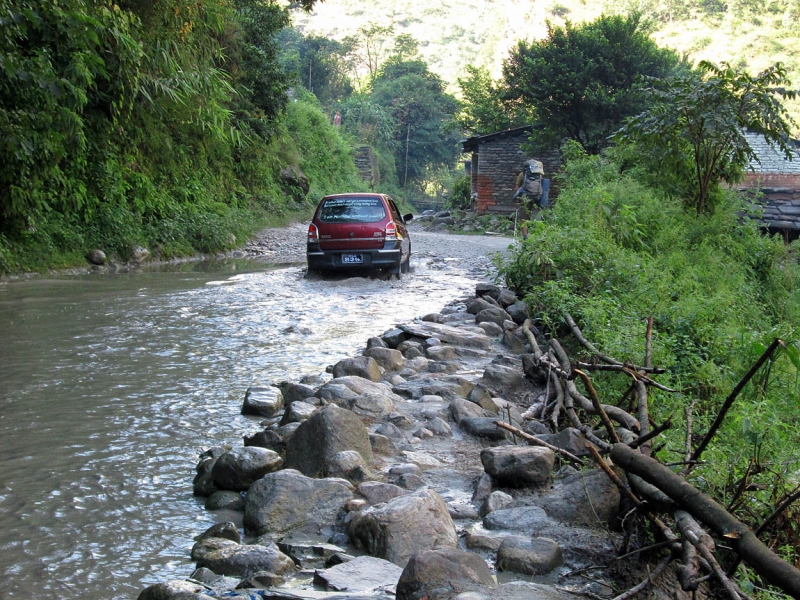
357, 195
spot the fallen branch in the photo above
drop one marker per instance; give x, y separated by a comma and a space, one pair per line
651, 434
538, 442
732, 396
650, 579
695, 534
744, 542
586, 343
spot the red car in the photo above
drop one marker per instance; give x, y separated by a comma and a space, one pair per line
358, 231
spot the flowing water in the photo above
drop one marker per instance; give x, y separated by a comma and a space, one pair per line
110, 387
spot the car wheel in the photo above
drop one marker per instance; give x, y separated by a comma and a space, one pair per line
405, 267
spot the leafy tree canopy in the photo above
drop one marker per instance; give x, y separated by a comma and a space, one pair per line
483, 109
581, 81
695, 129
425, 136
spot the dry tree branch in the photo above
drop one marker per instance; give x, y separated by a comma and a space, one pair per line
732, 396
536, 441
586, 343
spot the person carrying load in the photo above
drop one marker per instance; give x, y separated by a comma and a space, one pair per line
531, 192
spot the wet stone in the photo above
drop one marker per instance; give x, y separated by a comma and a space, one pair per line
359, 575
529, 556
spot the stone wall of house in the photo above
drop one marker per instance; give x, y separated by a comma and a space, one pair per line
499, 161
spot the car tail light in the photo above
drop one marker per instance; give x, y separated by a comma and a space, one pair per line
313, 234
391, 230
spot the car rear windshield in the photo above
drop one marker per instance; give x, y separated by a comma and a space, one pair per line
352, 210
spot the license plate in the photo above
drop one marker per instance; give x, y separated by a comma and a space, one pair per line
352, 259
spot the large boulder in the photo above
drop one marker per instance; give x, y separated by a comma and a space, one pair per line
493, 314
530, 556
288, 500
359, 366
583, 499
173, 589
362, 574
443, 571
448, 334
404, 526
243, 560
262, 401
517, 466
389, 359
362, 396
237, 469
322, 436
294, 392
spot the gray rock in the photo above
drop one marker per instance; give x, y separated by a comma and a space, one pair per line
485, 540
487, 289
516, 466
376, 342
266, 439
569, 439
506, 298
139, 254
96, 257
237, 469
223, 500
288, 500
514, 341
391, 360
518, 311
360, 395
535, 556
226, 531
483, 487
262, 401
442, 572
448, 334
494, 315
361, 574
521, 518
501, 377
439, 427
295, 392
381, 444
403, 469
446, 386
349, 465
404, 526
329, 431
174, 589
394, 337
358, 366
444, 353
462, 409
203, 484
479, 304
491, 329
297, 412
459, 511
483, 427
391, 431
582, 499
495, 501
410, 481
376, 492
417, 364
240, 560
413, 352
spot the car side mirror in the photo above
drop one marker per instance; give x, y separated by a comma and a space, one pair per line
407, 217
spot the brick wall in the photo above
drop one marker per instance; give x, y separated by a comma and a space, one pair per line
499, 161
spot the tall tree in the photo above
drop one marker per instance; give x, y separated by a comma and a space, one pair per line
581, 80
482, 107
695, 129
423, 113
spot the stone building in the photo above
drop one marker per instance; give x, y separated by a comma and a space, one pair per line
497, 159
775, 184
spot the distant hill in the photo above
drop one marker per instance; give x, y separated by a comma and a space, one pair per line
454, 33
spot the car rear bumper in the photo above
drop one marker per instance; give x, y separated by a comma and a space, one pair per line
324, 260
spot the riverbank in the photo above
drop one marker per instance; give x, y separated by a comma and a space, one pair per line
391, 478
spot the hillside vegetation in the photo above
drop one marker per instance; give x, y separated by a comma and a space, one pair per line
454, 33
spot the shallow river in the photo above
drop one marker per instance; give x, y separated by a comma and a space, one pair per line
111, 385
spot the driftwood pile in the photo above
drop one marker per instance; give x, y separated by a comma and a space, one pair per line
654, 491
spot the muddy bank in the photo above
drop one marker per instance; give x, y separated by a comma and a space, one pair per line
388, 477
